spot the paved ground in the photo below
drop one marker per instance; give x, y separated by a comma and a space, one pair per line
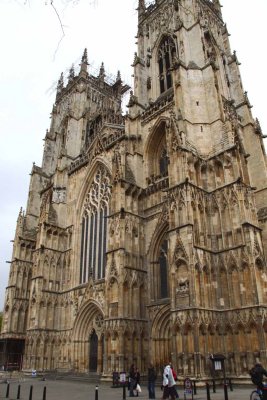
74, 390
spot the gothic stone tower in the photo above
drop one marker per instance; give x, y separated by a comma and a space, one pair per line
144, 233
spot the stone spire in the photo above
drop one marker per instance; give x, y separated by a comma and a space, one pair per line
141, 7
217, 6
84, 64
60, 85
102, 75
71, 73
118, 76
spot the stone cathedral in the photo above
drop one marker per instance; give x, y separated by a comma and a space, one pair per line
145, 231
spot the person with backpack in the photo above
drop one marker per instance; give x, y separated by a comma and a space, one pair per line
256, 374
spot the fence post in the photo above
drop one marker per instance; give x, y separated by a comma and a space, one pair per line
208, 390
30, 395
124, 391
7, 391
96, 392
225, 391
18, 393
44, 393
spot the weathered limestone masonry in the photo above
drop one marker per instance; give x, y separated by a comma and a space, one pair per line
144, 234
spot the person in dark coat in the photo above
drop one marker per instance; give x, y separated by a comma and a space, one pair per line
132, 380
137, 380
257, 373
151, 378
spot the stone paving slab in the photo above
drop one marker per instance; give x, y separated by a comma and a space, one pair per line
74, 390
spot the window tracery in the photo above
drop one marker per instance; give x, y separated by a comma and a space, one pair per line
94, 227
166, 55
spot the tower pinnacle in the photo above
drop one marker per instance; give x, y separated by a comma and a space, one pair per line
84, 64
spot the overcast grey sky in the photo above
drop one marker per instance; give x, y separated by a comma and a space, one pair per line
32, 58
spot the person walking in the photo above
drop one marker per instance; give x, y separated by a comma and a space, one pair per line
137, 382
132, 380
168, 383
151, 378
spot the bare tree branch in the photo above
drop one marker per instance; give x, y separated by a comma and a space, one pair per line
61, 26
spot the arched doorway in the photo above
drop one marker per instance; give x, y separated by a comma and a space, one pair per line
87, 337
93, 346
161, 345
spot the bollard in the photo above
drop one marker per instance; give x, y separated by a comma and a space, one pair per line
208, 390
30, 395
230, 384
124, 392
213, 386
96, 392
44, 393
195, 387
18, 393
225, 391
7, 391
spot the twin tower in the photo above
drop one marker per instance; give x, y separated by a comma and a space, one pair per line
144, 235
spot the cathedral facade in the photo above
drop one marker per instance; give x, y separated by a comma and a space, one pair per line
145, 232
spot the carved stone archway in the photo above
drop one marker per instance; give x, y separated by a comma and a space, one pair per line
87, 337
161, 345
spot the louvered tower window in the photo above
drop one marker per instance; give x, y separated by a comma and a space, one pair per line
166, 55
94, 227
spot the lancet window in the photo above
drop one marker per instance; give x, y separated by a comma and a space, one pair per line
94, 227
166, 55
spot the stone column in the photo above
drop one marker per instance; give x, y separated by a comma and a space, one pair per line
121, 351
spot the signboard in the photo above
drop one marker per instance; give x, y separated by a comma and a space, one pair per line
188, 387
122, 377
217, 365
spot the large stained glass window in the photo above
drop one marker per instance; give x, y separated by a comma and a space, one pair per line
94, 227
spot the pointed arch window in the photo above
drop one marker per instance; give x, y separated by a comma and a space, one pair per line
94, 227
166, 55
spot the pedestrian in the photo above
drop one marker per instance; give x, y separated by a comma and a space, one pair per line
137, 382
132, 380
151, 378
168, 383
256, 374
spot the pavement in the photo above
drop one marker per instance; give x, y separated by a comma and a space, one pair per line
76, 390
